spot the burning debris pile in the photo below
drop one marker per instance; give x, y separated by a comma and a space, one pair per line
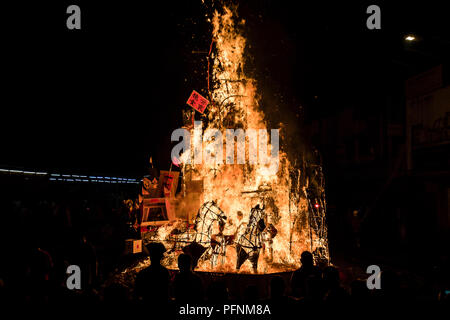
266, 212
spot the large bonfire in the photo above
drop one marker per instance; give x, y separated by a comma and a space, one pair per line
288, 211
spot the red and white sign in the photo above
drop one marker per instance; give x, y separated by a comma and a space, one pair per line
197, 102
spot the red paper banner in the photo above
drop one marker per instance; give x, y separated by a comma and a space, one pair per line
197, 102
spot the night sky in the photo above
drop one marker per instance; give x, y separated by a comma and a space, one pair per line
105, 98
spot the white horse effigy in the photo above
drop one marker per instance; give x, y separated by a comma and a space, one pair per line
207, 215
250, 242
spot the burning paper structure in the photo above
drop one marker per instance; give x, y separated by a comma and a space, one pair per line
250, 242
253, 219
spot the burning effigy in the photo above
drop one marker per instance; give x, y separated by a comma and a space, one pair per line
253, 212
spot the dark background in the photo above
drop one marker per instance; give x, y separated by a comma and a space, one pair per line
107, 96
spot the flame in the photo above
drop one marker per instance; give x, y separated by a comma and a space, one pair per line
238, 187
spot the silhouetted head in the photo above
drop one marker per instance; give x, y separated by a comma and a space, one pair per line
156, 251
184, 262
306, 259
277, 287
195, 250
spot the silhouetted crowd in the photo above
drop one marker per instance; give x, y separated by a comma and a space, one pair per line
47, 237
40, 239
308, 285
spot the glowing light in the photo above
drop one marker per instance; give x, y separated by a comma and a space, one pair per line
237, 188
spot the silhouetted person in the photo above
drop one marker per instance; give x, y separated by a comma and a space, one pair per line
277, 289
314, 289
152, 283
299, 277
334, 291
187, 285
278, 299
251, 293
217, 292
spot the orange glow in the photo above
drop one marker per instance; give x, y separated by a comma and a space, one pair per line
237, 188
